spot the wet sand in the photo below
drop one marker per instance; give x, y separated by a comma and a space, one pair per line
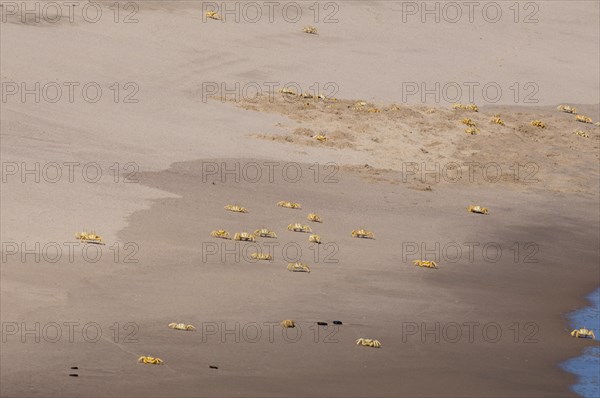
156, 268
371, 288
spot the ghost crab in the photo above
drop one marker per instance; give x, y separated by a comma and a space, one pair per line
472, 130
363, 233
469, 122
538, 123
425, 264
315, 239
182, 326
496, 120
244, 236
298, 267
236, 208
314, 217
359, 106
261, 256
368, 343
213, 15
320, 138
150, 360
310, 29
468, 107
297, 227
287, 323
220, 233
265, 233
89, 237
478, 209
583, 119
583, 333
567, 109
289, 205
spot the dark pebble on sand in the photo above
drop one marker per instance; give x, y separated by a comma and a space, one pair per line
322, 323
213, 367
337, 322
73, 375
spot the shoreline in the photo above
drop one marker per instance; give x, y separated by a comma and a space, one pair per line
585, 386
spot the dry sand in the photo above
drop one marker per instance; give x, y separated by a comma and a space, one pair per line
172, 136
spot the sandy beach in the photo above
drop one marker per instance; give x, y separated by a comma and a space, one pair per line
180, 130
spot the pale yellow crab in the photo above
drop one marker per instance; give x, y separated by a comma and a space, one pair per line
89, 237
244, 236
150, 360
287, 323
582, 134
567, 109
583, 333
363, 233
298, 267
220, 233
289, 205
583, 119
368, 343
265, 233
314, 217
468, 107
310, 29
213, 15
182, 326
538, 123
478, 209
320, 138
236, 208
426, 264
496, 120
468, 122
261, 256
472, 130
314, 239
297, 227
